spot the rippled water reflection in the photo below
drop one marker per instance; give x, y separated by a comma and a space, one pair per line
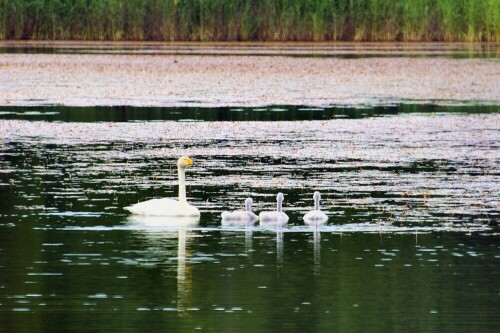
412, 199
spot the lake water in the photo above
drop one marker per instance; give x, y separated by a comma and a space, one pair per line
412, 194
290, 49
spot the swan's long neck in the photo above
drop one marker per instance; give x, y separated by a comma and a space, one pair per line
182, 185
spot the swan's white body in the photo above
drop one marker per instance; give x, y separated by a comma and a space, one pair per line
240, 216
316, 216
165, 206
277, 217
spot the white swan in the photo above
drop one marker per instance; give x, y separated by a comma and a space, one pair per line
240, 216
274, 217
169, 207
315, 216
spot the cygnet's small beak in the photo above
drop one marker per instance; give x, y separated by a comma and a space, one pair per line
189, 161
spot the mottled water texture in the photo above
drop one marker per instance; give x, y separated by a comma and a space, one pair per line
411, 243
246, 75
396, 170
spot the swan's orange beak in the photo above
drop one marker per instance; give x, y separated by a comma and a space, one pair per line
189, 161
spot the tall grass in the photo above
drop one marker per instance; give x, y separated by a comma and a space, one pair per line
241, 20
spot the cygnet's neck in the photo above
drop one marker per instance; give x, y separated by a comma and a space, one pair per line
280, 206
248, 205
182, 184
316, 203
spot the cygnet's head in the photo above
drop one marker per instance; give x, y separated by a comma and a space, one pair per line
280, 197
184, 162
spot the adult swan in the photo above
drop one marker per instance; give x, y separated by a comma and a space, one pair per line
169, 207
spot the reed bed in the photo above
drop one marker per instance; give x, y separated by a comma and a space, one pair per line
252, 20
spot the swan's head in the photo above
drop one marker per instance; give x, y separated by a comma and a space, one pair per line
184, 162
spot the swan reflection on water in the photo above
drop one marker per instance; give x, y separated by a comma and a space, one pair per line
159, 228
317, 250
159, 223
160, 231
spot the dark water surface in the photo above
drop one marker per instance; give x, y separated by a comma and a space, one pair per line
411, 243
327, 50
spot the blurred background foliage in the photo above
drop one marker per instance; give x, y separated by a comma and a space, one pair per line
251, 20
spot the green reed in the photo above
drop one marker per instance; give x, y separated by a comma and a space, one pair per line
241, 20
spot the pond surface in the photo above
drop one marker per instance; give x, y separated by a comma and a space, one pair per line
328, 50
411, 243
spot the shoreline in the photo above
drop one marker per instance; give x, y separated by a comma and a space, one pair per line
224, 75
489, 49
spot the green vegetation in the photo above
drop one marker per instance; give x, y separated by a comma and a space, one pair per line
242, 20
